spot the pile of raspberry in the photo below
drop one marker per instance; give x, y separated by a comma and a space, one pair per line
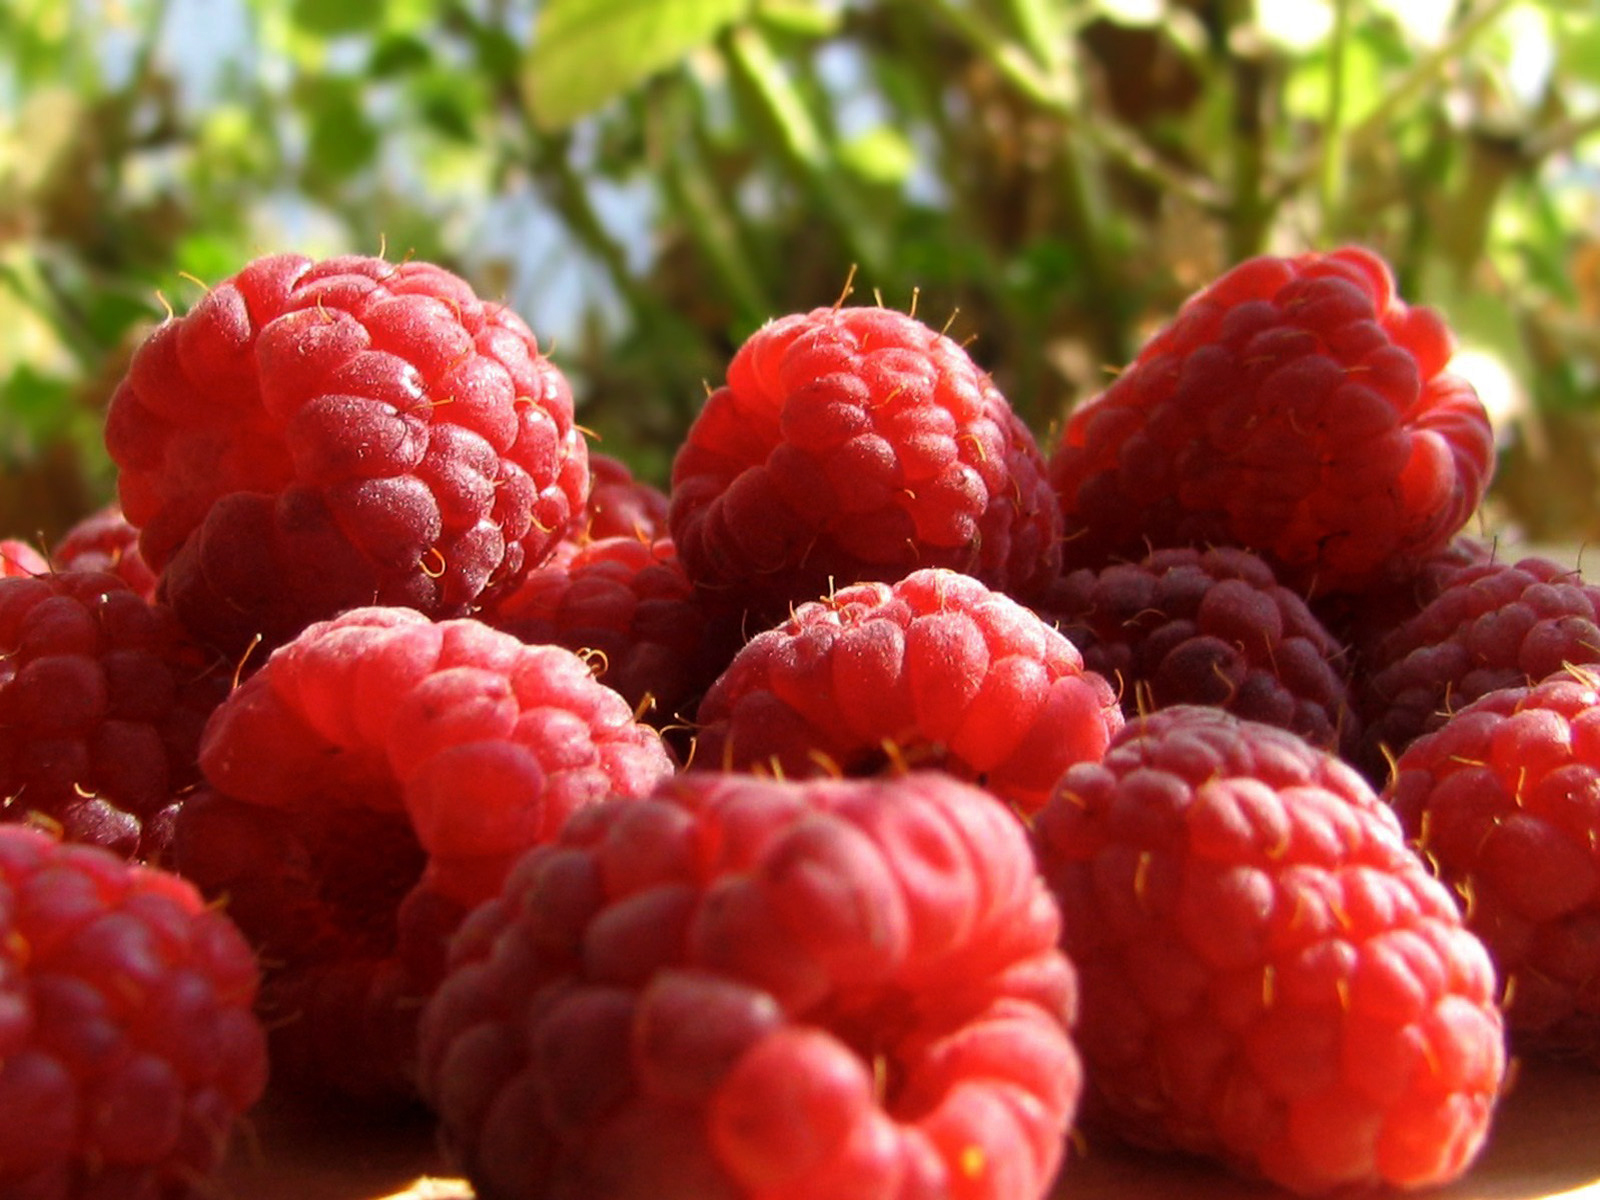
880, 807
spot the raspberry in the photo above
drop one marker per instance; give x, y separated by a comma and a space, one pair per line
1491, 626
128, 1049
620, 505
626, 606
935, 670
1270, 976
314, 436
741, 987
1189, 626
102, 700
857, 444
1502, 799
105, 541
1296, 407
19, 560
369, 784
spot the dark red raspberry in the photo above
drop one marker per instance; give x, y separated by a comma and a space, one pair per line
370, 783
105, 541
1361, 620
1504, 799
628, 608
1190, 626
744, 987
620, 505
854, 444
1296, 407
935, 670
1491, 626
314, 436
19, 560
1270, 976
128, 1049
102, 700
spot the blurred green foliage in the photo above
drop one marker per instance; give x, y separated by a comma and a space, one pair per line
648, 180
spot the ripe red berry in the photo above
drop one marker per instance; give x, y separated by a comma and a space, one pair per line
314, 436
1491, 625
626, 605
854, 444
1502, 798
370, 783
620, 505
128, 1048
106, 541
1296, 407
102, 700
741, 987
935, 670
20, 559
1190, 626
1270, 975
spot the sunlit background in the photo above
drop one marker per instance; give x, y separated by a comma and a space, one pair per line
645, 181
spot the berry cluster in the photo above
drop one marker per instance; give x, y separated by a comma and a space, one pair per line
885, 803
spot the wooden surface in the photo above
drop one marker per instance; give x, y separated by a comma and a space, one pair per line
1546, 1143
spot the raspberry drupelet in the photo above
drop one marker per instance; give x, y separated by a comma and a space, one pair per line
857, 444
1491, 625
740, 987
371, 782
1502, 798
317, 435
1270, 976
103, 697
128, 1048
934, 670
1296, 407
1191, 626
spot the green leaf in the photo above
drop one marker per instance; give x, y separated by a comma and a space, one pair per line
397, 54
335, 18
343, 141
586, 52
881, 156
800, 18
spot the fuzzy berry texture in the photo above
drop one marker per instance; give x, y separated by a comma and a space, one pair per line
103, 697
1271, 977
1491, 626
626, 606
620, 505
106, 541
128, 1048
752, 988
1295, 407
1502, 799
935, 670
856, 444
1190, 626
367, 786
318, 435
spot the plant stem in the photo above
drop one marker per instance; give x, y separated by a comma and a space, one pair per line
1333, 135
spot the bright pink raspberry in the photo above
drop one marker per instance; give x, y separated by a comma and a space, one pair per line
935, 670
1271, 977
128, 1048
106, 541
1296, 407
856, 444
369, 784
1491, 626
626, 606
1191, 626
102, 700
314, 436
1504, 800
750, 988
